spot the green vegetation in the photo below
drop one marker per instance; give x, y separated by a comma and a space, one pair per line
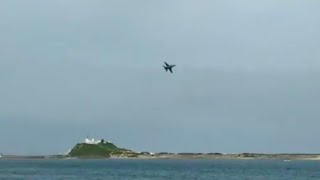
98, 150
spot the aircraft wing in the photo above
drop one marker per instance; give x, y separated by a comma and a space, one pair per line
166, 63
170, 70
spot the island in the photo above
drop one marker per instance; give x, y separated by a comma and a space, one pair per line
91, 148
101, 149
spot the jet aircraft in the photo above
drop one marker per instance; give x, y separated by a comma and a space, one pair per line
168, 67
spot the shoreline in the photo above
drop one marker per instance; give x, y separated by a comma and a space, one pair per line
243, 156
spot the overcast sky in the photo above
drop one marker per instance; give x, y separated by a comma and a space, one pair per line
246, 80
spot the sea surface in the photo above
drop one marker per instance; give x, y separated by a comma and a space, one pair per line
158, 169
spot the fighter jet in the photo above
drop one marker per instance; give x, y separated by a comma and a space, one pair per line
168, 67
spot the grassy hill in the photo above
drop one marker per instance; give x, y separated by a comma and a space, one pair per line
98, 150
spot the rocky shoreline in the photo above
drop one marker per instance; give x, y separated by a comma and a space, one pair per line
248, 156
232, 156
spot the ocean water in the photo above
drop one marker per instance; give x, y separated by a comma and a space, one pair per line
158, 169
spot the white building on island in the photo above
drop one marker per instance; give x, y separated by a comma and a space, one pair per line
91, 141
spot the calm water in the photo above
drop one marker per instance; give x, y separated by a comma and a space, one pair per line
158, 169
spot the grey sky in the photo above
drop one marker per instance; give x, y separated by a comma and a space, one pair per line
246, 78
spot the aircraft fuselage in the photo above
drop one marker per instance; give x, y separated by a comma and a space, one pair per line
168, 67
